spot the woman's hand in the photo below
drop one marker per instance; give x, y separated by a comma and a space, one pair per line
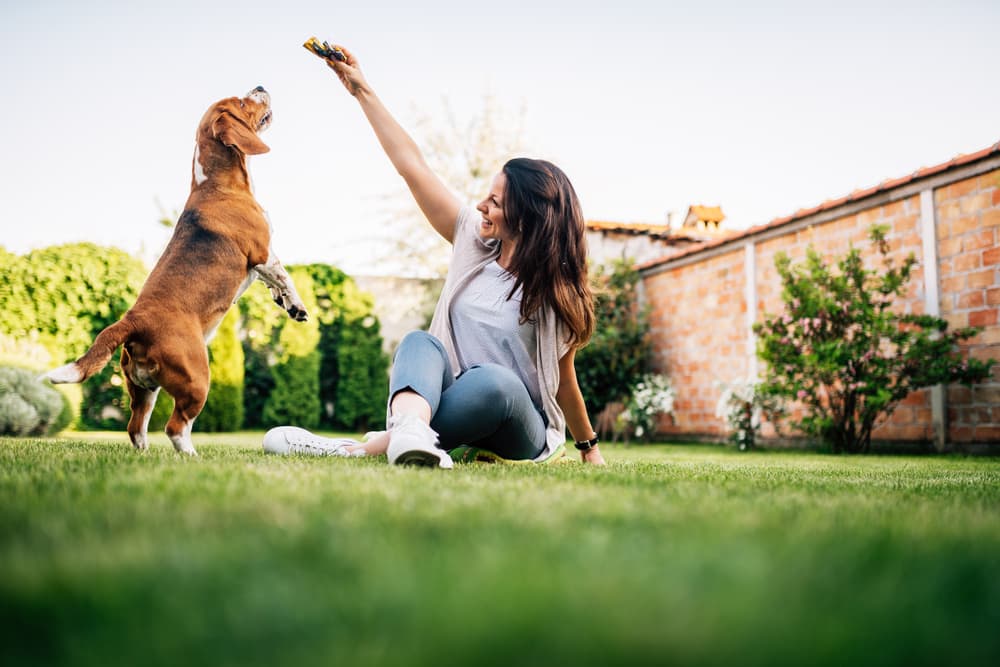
349, 72
592, 456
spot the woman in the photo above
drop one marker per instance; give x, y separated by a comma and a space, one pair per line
495, 371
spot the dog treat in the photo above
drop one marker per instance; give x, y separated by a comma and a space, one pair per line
324, 50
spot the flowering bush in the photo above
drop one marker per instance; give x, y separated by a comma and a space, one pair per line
651, 396
840, 351
742, 404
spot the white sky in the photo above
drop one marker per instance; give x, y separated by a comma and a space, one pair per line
648, 106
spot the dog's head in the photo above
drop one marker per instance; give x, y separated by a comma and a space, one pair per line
230, 129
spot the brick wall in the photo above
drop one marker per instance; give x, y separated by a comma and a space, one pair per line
694, 355
968, 239
700, 313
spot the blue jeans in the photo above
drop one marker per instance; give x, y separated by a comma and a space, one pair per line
487, 406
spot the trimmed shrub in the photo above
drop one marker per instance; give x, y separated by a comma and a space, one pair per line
350, 367
259, 322
27, 405
224, 408
354, 371
295, 398
31, 355
363, 368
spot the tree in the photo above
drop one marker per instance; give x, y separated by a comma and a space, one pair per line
845, 354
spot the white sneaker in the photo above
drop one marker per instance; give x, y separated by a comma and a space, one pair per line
295, 440
413, 442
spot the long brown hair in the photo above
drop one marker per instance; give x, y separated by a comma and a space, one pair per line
550, 258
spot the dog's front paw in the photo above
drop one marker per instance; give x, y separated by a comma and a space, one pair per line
279, 297
298, 313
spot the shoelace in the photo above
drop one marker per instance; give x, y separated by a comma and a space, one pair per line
316, 447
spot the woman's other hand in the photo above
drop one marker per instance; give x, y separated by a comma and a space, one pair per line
592, 456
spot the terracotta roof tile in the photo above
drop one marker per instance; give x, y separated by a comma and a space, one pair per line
626, 227
856, 195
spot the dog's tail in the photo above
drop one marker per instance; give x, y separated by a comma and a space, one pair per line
95, 358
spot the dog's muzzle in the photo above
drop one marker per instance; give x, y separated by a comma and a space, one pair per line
261, 96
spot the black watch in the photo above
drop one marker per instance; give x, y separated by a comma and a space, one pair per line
587, 445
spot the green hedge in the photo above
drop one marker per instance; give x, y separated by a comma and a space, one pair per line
65, 295
224, 408
330, 372
295, 397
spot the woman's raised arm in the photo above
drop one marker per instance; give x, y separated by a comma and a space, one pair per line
438, 203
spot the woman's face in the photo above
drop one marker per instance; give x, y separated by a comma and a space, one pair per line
494, 224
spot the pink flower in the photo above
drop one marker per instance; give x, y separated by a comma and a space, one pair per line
801, 395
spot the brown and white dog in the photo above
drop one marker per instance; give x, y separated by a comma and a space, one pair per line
221, 244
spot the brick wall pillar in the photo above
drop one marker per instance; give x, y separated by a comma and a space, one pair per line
932, 306
750, 278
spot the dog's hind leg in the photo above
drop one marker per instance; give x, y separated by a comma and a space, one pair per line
186, 378
143, 401
187, 407
142, 391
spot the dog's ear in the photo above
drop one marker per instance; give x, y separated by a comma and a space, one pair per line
233, 133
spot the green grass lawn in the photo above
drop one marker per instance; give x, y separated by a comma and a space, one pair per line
671, 555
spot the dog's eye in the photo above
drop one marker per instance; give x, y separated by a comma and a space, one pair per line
241, 104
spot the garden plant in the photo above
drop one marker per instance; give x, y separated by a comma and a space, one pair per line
651, 397
744, 405
619, 352
845, 353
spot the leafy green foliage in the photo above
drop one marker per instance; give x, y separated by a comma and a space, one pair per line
295, 397
619, 352
354, 372
28, 406
363, 368
259, 319
843, 353
224, 408
25, 353
65, 295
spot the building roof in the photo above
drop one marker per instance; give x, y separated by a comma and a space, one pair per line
627, 228
706, 213
855, 196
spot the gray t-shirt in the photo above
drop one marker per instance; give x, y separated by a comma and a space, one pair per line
486, 327
469, 256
